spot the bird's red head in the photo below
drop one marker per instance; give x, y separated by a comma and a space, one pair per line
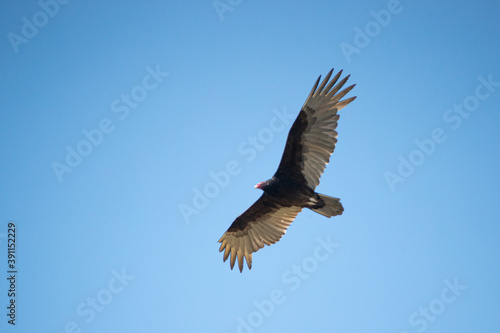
261, 185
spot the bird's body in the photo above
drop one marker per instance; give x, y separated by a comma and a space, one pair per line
286, 191
310, 143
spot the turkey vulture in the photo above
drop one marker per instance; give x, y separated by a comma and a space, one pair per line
310, 143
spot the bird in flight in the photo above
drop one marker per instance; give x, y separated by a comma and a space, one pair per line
310, 143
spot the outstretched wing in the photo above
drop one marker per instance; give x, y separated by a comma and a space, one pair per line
264, 223
312, 138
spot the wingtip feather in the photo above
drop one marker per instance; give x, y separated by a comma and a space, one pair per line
325, 81
240, 261
332, 82
227, 252
248, 258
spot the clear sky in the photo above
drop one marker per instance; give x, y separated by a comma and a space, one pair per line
133, 132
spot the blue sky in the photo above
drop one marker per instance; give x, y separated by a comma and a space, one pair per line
117, 117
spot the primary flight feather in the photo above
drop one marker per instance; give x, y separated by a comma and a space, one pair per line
310, 143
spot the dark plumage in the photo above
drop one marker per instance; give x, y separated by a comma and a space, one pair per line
310, 143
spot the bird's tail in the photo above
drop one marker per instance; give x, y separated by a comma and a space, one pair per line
330, 206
